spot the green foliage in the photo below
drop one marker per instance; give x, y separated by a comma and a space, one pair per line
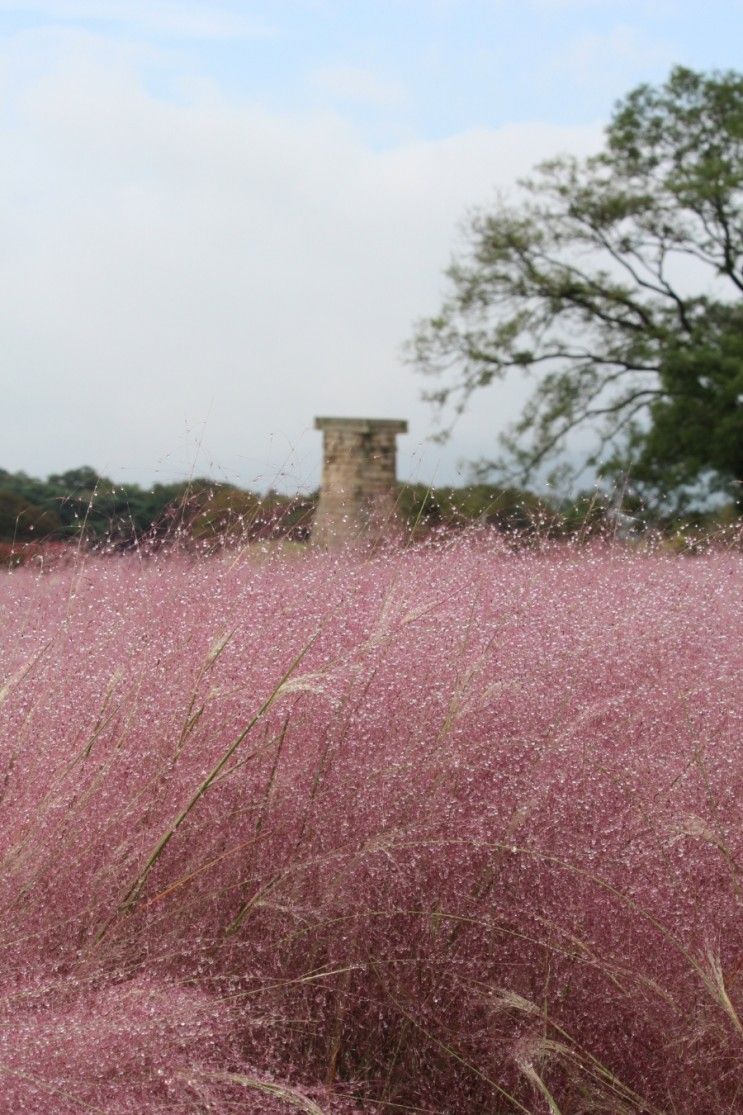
618, 284
697, 423
509, 509
81, 503
23, 520
221, 510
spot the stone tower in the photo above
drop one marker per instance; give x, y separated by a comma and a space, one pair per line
358, 496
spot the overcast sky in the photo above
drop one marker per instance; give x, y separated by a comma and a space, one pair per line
222, 218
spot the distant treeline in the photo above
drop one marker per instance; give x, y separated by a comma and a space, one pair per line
81, 503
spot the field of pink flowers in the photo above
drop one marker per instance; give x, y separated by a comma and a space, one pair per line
449, 830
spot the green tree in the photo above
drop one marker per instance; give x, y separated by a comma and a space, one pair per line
425, 508
617, 283
23, 521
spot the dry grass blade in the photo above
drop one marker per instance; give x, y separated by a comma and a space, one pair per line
281, 1092
446, 1048
533, 1076
715, 984
134, 891
571, 1051
8, 686
193, 714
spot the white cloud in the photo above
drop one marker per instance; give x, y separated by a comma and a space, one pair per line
189, 284
357, 85
169, 17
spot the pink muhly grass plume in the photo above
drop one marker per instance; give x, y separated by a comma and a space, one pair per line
449, 829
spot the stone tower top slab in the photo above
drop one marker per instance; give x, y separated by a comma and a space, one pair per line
363, 425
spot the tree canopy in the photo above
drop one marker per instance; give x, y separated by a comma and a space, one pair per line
617, 283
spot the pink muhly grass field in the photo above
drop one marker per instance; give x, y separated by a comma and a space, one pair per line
448, 830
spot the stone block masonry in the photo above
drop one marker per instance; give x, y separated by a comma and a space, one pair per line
358, 492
